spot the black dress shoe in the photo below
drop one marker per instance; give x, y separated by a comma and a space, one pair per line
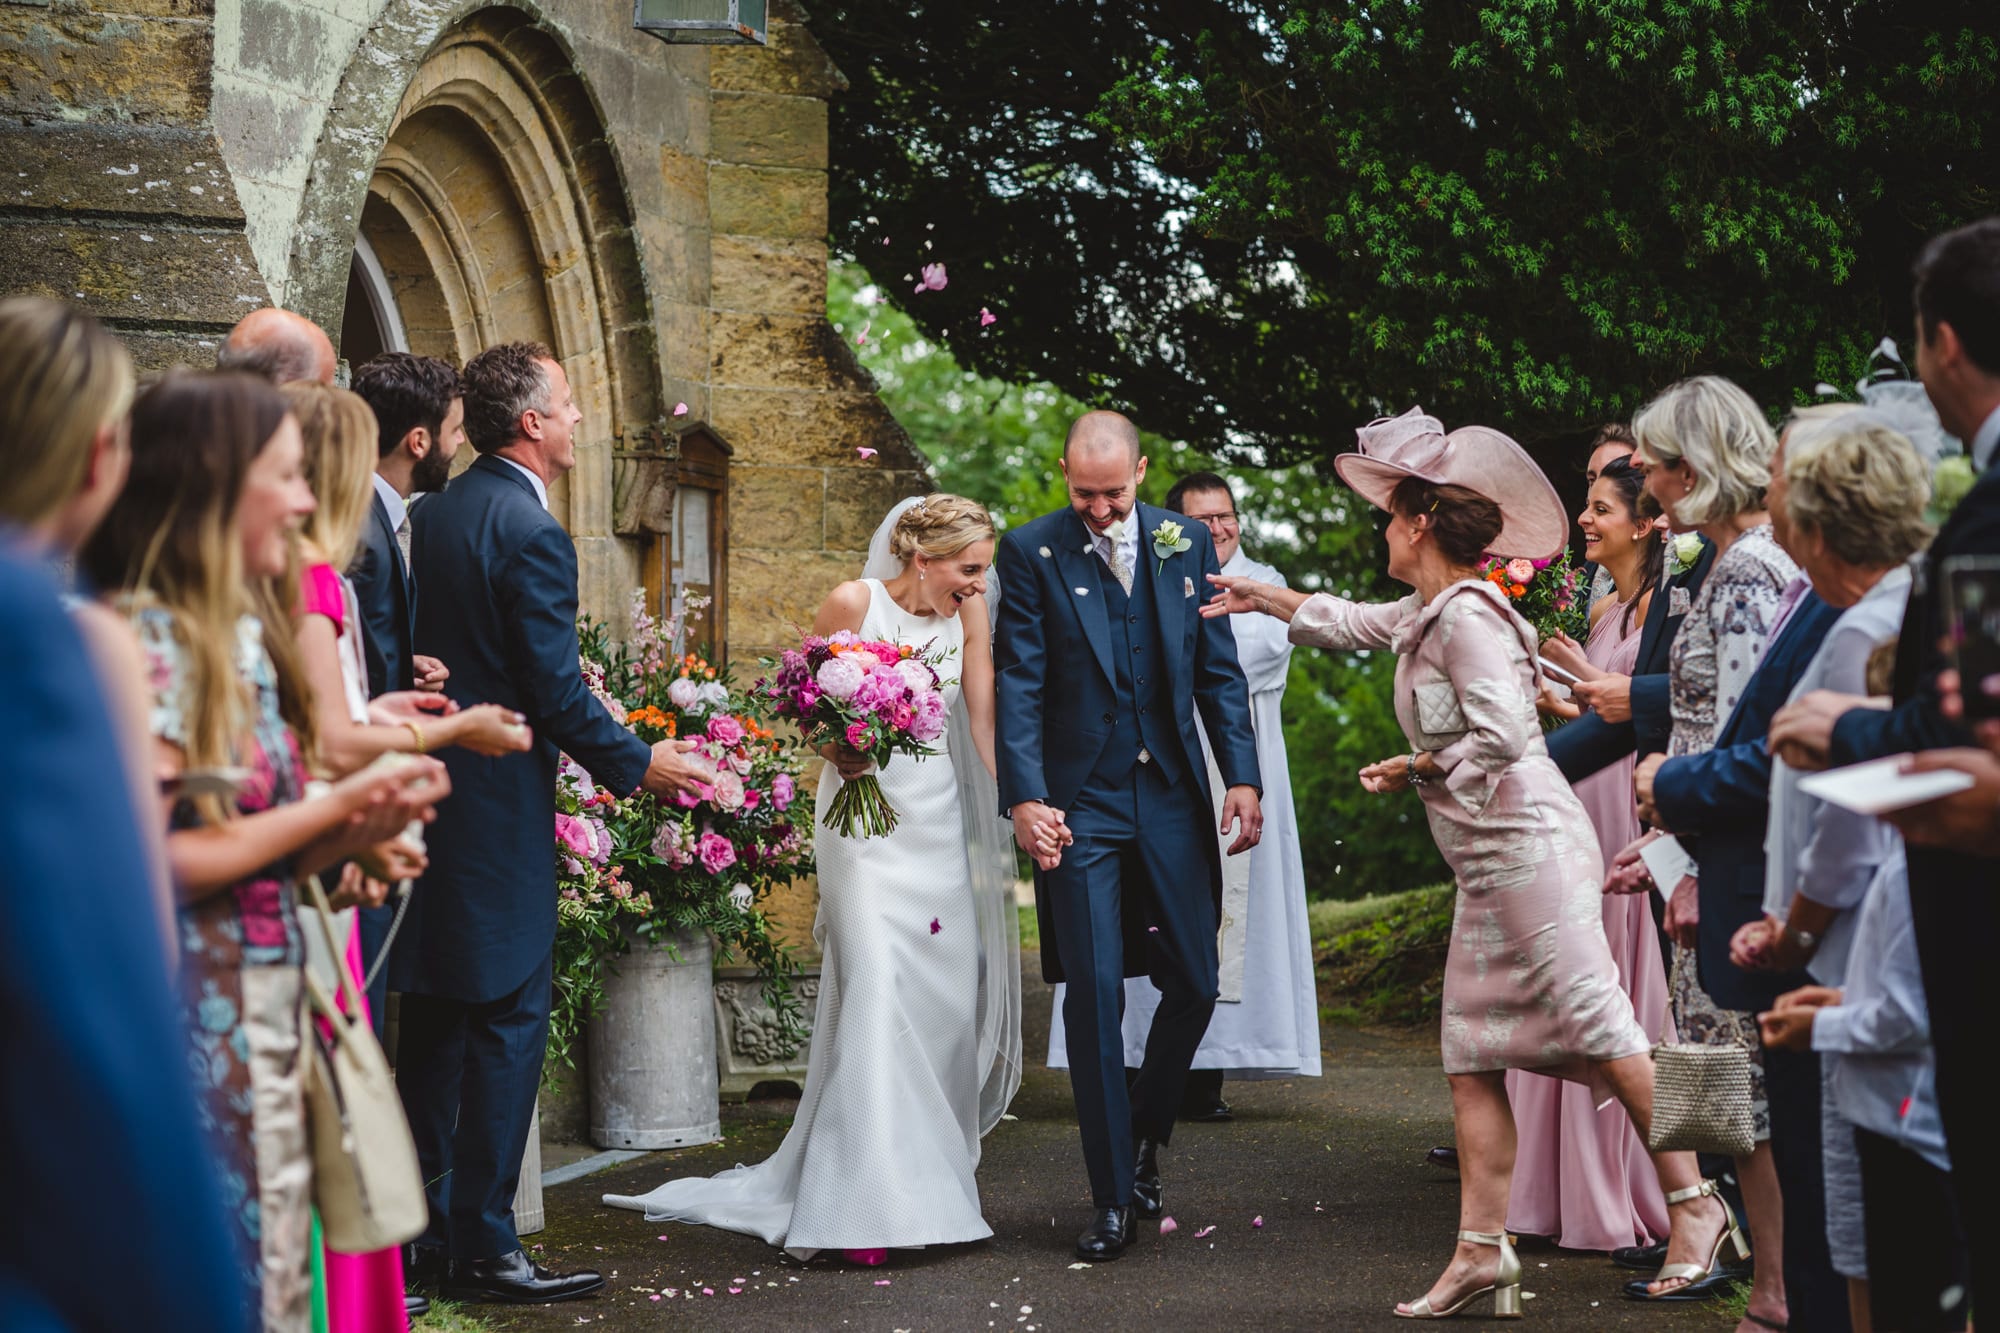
1647, 1258
423, 1267
416, 1306
1202, 1101
515, 1279
1717, 1284
1146, 1200
1446, 1158
1110, 1232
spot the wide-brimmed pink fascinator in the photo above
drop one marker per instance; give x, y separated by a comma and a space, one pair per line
1478, 458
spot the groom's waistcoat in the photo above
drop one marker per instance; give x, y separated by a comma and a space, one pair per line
1144, 718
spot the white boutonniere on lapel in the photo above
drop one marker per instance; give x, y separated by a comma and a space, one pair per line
1168, 540
1682, 552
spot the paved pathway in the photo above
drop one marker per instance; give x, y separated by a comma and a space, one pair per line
1353, 1220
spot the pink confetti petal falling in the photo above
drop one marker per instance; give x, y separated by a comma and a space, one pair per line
987, 317
1257, 1221
1168, 1226
1152, 930
1203, 1232
663, 1238
680, 409
708, 1291
866, 452
936, 926
881, 1281
931, 277
654, 1297
736, 1291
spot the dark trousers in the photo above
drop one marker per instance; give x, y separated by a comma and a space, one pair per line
1816, 1294
373, 923
1956, 913
468, 1074
1916, 1245
1156, 864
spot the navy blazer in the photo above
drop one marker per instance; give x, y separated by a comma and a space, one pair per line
502, 611
1719, 803
97, 1116
387, 596
1055, 682
1590, 744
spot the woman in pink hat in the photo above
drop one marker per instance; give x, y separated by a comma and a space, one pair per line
1529, 980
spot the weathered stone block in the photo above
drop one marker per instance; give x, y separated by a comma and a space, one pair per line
771, 592
765, 129
65, 65
777, 508
858, 498
767, 201
685, 179
156, 8
134, 275
140, 170
285, 43
806, 428
755, 274
781, 352
791, 63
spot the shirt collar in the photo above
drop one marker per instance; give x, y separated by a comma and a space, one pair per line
541, 491
1984, 440
395, 505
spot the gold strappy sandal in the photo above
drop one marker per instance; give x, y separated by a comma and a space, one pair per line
1731, 1236
1506, 1285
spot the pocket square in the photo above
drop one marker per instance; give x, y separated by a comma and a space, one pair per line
1187, 586
1678, 601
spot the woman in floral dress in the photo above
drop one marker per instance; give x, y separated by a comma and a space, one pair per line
214, 494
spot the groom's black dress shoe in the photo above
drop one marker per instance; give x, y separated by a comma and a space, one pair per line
1146, 1200
515, 1279
423, 1267
1646, 1257
1444, 1158
1110, 1232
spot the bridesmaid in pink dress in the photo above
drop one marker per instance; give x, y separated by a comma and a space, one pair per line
1529, 979
1581, 1173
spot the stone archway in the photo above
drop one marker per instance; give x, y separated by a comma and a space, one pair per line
494, 211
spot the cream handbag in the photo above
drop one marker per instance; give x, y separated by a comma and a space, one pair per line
366, 1181
1701, 1097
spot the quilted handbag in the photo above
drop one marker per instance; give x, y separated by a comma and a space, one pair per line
1438, 712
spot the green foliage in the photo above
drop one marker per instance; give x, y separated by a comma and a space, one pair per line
1390, 969
1254, 224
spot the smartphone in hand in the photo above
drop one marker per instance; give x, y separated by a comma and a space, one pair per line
1972, 628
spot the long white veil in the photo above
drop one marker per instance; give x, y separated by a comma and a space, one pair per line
989, 853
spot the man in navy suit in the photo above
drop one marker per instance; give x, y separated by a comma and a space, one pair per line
420, 420
474, 959
1953, 905
113, 1215
1101, 658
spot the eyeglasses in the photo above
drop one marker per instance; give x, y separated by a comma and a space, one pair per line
1227, 522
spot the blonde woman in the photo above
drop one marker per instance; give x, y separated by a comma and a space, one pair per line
337, 430
902, 1079
212, 507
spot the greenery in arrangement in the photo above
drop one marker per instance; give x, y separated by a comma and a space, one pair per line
637, 870
1257, 224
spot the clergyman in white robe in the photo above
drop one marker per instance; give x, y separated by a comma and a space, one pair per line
1268, 1027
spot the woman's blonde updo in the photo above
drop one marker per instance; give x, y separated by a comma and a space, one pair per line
938, 527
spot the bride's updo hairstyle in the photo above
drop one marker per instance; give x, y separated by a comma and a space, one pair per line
938, 527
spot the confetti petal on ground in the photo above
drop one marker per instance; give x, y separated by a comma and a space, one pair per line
654, 1297
1168, 1226
936, 925
881, 1281
1257, 1221
1203, 1232
708, 1291
987, 317
996, 1304
680, 409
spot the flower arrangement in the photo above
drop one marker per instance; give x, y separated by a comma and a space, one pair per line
636, 868
1548, 594
881, 699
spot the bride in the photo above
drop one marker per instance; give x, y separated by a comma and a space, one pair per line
916, 1046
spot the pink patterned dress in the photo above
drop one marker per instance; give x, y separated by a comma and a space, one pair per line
1581, 1173
1529, 982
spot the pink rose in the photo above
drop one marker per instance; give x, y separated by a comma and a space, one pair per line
574, 834
725, 730
857, 736
752, 798
728, 791
716, 853
782, 791
840, 677
1521, 571
902, 715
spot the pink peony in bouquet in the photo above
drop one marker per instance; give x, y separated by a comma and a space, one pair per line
880, 699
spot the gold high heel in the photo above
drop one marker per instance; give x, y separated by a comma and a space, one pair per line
1732, 1236
1506, 1285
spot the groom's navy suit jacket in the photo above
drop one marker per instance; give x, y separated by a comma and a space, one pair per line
502, 609
1057, 681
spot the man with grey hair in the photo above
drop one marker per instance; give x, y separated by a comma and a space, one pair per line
474, 959
282, 346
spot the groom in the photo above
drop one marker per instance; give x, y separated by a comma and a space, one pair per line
1101, 657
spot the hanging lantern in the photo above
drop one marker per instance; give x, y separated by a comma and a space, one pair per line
712, 22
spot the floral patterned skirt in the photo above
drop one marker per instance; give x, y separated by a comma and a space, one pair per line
1702, 1022
244, 1026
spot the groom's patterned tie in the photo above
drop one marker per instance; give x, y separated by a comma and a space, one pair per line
1114, 556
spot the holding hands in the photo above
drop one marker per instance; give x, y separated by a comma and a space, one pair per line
1042, 833
1789, 1026
1628, 873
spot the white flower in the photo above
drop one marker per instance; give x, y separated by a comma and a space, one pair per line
714, 694
740, 897
914, 674
1169, 539
1682, 552
683, 693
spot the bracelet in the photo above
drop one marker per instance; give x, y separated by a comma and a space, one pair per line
417, 734
1416, 779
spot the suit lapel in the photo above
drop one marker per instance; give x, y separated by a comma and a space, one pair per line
381, 512
1083, 585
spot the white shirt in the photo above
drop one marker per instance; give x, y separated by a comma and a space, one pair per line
1984, 439
397, 507
541, 491
1126, 534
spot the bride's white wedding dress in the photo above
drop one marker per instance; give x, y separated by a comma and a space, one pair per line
886, 1141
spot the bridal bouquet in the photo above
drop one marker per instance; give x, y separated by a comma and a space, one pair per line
881, 699
1548, 594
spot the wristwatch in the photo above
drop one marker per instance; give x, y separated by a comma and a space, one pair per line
1807, 940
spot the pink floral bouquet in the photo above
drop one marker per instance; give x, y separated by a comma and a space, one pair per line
880, 699
1548, 594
